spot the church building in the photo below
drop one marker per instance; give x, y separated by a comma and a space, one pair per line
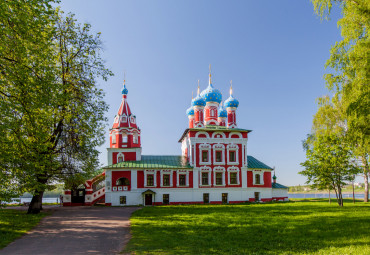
214, 166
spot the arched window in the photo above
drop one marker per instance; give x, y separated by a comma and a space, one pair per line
124, 138
113, 138
120, 158
257, 178
122, 182
135, 138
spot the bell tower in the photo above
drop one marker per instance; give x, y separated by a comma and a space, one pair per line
125, 135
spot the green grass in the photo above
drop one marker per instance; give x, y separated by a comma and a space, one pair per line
274, 228
15, 223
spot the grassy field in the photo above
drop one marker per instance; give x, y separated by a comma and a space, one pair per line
300, 227
15, 223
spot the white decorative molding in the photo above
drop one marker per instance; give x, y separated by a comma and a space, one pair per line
202, 133
169, 172
182, 172
235, 133
120, 155
233, 169
218, 135
221, 148
204, 147
232, 147
261, 173
153, 172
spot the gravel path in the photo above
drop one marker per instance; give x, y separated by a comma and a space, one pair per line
77, 230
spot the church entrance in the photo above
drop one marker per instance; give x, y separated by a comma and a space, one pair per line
148, 199
78, 196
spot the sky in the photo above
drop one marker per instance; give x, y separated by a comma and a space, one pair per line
273, 51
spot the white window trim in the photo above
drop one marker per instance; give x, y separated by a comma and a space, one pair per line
183, 172
123, 118
204, 147
223, 136
205, 170
219, 147
124, 135
114, 138
219, 170
170, 172
233, 169
233, 147
120, 155
153, 172
261, 173
132, 119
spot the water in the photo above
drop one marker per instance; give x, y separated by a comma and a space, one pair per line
323, 195
22, 200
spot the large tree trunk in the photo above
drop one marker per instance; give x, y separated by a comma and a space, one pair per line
366, 178
36, 203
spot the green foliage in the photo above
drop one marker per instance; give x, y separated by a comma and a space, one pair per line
15, 223
329, 162
51, 112
349, 78
275, 228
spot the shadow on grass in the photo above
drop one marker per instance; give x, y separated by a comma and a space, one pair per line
246, 229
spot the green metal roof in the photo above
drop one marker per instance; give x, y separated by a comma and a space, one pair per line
278, 186
256, 164
154, 162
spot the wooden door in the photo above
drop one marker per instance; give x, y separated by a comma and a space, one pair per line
148, 199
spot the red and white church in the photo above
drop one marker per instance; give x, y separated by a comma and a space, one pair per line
214, 166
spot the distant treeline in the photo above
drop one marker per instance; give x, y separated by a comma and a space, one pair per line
50, 193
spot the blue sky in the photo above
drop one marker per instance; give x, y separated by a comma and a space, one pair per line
274, 51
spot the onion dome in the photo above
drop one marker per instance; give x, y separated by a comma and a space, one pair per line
231, 101
210, 94
274, 177
198, 101
190, 111
124, 89
222, 112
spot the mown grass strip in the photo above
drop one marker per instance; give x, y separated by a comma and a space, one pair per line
15, 223
275, 228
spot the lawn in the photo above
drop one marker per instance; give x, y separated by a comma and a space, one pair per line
300, 227
14, 223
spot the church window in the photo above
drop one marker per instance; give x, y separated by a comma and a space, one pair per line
218, 156
150, 180
120, 159
182, 180
166, 199
204, 178
123, 182
219, 178
113, 138
122, 200
205, 156
232, 156
257, 179
212, 112
233, 178
135, 138
166, 180
124, 138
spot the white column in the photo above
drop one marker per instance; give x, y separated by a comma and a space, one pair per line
195, 178
133, 179
244, 177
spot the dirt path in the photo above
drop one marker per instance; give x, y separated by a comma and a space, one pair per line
77, 230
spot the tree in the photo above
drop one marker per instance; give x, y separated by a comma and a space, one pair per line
52, 112
328, 163
350, 79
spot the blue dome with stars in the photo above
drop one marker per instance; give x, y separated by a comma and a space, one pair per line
190, 111
210, 94
124, 90
231, 102
222, 112
198, 101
